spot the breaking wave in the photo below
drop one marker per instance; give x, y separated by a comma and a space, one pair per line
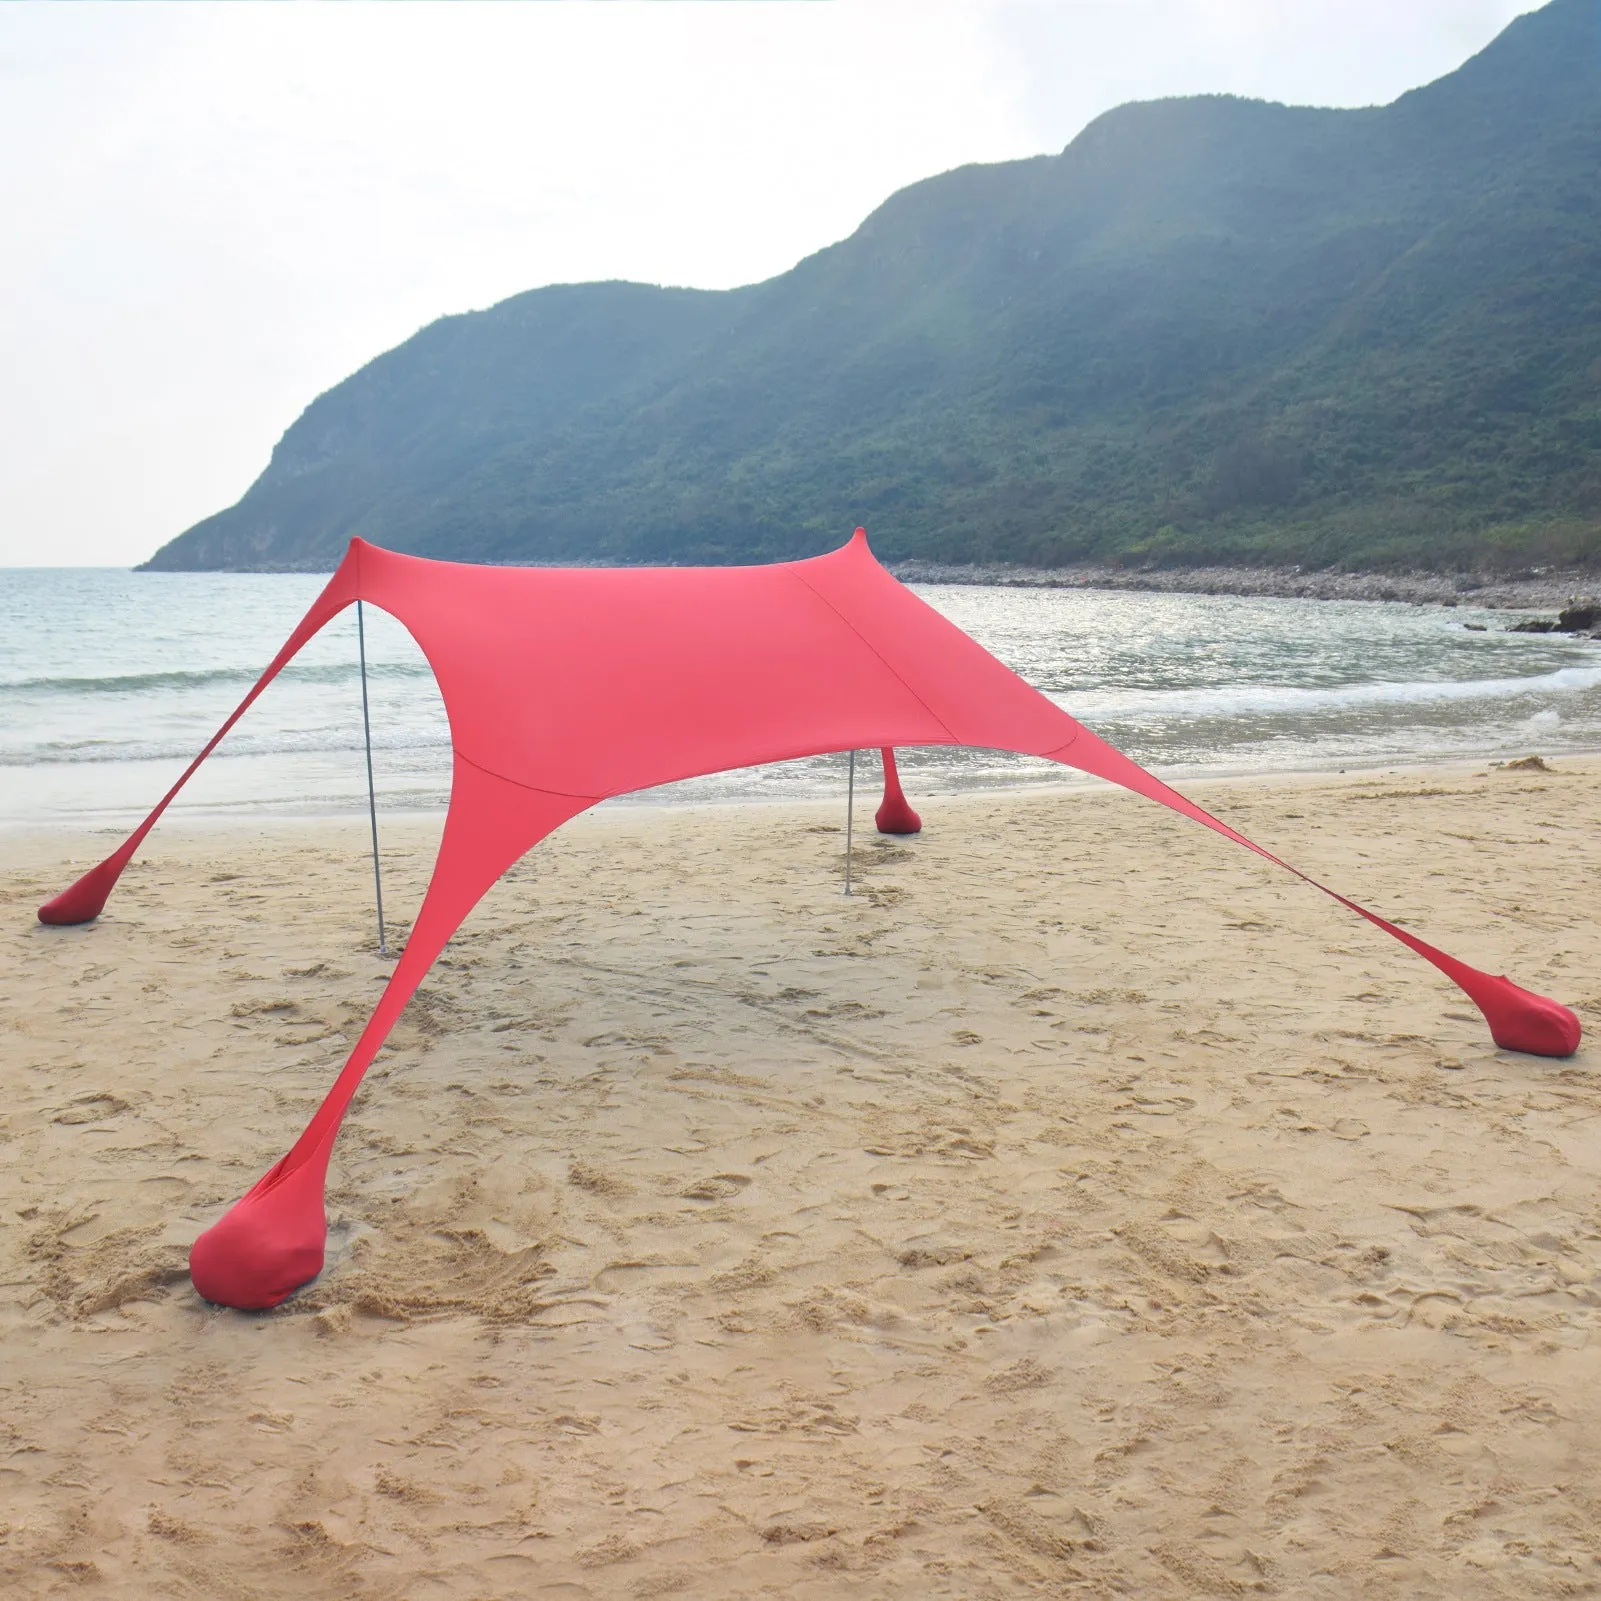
205, 678
1268, 700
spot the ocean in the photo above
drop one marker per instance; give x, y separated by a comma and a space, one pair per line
111, 680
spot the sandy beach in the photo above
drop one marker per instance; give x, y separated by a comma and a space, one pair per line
1084, 1207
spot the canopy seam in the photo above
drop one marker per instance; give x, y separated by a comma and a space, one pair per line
533, 789
888, 667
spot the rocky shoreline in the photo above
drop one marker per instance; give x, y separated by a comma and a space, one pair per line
1535, 592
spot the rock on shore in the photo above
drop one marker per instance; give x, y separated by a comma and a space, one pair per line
1581, 615
1539, 591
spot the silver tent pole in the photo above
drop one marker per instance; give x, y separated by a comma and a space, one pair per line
850, 813
372, 796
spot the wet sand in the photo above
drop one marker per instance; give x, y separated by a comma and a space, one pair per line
1082, 1208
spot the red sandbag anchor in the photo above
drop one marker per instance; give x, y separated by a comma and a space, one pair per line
270, 1242
894, 815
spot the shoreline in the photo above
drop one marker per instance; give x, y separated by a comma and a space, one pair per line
1538, 592
620, 811
1541, 591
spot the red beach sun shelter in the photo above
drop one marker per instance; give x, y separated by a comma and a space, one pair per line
566, 686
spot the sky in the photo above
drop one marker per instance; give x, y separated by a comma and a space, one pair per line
211, 213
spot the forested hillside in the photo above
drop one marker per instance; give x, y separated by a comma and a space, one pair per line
1209, 330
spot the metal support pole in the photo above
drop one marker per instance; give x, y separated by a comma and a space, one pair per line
372, 795
850, 813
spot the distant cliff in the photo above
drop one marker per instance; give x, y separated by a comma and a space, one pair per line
1211, 330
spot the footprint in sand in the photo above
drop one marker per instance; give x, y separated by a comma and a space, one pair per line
90, 1108
626, 1276
168, 1185
719, 1187
597, 1180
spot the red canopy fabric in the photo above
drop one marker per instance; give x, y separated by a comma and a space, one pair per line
566, 686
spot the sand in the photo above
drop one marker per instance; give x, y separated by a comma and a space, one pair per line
1083, 1208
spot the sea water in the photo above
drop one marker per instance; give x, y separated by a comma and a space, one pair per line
110, 681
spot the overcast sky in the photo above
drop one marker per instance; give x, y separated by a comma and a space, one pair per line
213, 212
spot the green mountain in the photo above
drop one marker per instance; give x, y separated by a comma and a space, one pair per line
1209, 330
